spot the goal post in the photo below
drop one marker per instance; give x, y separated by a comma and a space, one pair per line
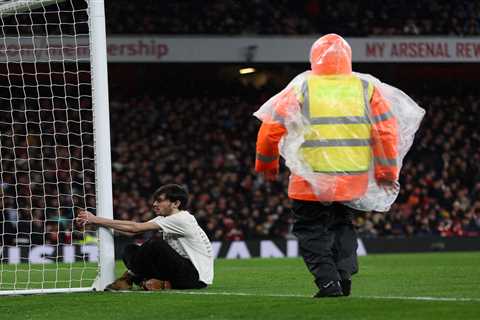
54, 146
103, 165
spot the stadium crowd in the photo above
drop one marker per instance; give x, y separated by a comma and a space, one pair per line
440, 177
47, 166
289, 17
260, 17
207, 143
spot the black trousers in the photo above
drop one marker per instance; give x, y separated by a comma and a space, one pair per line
156, 259
327, 239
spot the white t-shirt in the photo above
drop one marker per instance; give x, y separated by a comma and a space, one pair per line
182, 232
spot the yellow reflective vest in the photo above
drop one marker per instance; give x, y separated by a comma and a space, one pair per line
339, 137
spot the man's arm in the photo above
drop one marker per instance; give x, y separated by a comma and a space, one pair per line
270, 134
385, 143
267, 155
130, 227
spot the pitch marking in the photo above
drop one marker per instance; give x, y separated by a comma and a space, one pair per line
307, 296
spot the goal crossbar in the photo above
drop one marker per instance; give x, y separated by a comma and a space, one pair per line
13, 6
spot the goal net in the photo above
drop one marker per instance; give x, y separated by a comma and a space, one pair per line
53, 115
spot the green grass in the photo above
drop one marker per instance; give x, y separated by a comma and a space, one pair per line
387, 287
51, 275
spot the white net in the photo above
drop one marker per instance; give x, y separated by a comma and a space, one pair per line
46, 145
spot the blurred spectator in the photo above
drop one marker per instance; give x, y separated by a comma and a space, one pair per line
209, 149
259, 17
207, 143
289, 17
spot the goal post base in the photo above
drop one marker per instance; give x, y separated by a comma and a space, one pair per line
44, 291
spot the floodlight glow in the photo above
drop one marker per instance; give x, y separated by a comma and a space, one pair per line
247, 70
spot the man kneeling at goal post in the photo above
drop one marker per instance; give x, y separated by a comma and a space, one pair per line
182, 258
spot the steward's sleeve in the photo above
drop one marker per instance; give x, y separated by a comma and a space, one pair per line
272, 131
384, 139
267, 155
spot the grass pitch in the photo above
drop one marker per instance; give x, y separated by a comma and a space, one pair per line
410, 286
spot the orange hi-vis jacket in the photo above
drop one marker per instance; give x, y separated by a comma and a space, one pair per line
355, 123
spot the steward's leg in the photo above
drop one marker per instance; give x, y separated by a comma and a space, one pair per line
345, 245
311, 227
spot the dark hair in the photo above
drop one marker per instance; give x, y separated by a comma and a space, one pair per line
173, 192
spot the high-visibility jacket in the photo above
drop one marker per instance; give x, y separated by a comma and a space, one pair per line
350, 123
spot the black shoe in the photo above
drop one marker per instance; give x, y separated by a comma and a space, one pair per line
346, 285
330, 289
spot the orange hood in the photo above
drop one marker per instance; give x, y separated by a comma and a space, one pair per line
331, 54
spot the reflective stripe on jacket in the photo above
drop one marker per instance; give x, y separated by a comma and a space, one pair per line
339, 137
363, 128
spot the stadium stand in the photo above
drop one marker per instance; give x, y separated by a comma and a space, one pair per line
206, 141
289, 17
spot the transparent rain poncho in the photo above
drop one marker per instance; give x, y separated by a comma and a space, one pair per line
299, 130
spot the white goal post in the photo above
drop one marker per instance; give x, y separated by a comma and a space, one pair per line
54, 146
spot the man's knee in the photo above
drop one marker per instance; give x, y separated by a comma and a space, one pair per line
155, 245
129, 254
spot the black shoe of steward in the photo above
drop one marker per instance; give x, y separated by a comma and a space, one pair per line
330, 289
346, 285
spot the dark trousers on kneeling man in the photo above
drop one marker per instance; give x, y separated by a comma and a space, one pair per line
156, 259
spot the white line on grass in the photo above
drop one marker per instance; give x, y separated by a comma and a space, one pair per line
307, 296
422, 298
